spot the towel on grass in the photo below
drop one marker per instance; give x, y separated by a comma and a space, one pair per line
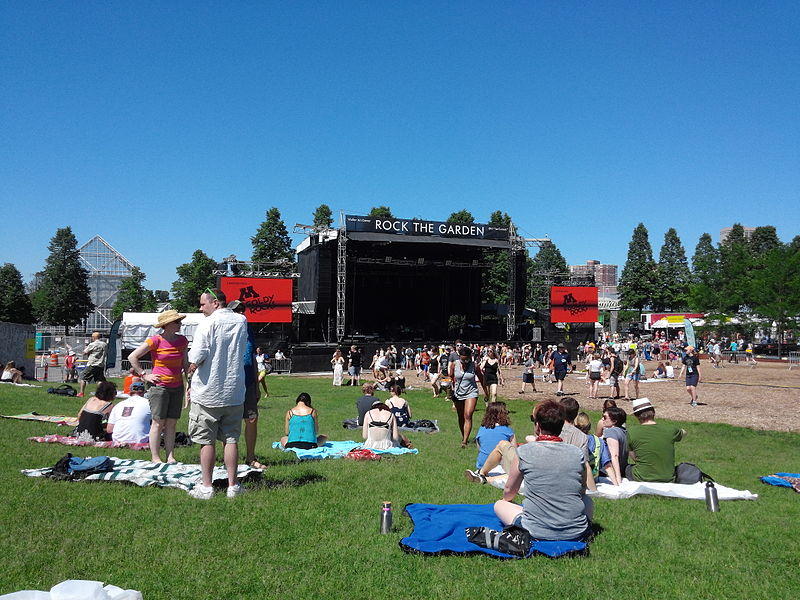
605, 489
338, 450
75, 441
34, 416
439, 531
791, 480
412, 426
145, 473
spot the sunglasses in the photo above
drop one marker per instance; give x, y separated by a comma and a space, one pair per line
211, 293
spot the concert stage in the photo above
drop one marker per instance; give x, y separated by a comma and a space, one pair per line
396, 279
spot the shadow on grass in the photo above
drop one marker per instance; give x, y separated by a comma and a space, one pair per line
272, 483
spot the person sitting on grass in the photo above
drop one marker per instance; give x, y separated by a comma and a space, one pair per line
652, 445
555, 506
380, 428
399, 407
129, 421
595, 445
11, 374
617, 439
300, 426
495, 428
95, 411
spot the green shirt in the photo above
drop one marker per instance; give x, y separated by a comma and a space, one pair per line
654, 447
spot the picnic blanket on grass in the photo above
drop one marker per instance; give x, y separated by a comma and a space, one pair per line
791, 480
338, 450
75, 441
34, 416
695, 491
414, 426
145, 473
439, 531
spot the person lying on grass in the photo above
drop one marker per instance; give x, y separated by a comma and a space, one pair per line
300, 426
555, 506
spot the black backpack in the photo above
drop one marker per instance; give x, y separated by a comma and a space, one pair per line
689, 473
63, 390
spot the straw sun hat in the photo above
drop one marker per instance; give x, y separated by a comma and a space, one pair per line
167, 317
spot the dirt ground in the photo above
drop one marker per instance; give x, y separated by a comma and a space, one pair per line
766, 397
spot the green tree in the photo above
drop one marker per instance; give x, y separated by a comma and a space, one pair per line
193, 279
546, 269
672, 273
495, 280
15, 305
763, 240
271, 242
63, 296
462, 217
133, 296
637, 283
381, 212
323, 216
704, 287
795, 243
735, 266
161, 295
775, 288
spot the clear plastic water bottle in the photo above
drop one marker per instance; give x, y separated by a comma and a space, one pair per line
386, 517
712, 501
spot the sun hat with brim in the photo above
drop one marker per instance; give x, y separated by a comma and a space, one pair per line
167, 317
642, 404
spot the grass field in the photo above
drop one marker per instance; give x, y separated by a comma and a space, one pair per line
312, 532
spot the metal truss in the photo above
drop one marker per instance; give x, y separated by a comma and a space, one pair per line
341, 278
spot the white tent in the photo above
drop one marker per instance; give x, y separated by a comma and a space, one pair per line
137, 327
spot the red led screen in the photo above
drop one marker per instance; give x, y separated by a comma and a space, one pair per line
267, 300
573, 305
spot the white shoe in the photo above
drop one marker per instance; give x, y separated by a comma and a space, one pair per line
201, 492
235, 490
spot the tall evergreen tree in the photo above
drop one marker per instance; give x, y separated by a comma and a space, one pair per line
133, 296
735, 265
193, 279
495, 279
763, 240
462, 217
637, 284
795, 243
775, 288
704, 287
546, 269
323, 216
673, 276
63, 296
15, 305
381, 212
271, 242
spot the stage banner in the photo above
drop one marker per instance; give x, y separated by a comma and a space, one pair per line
267, 300
478, 231
573, 304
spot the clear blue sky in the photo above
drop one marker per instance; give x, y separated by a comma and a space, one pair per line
167, 127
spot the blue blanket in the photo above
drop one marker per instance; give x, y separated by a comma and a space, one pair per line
778, 479
338, 450
439, 530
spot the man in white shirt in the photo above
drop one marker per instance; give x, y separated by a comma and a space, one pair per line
129, 421
217, 391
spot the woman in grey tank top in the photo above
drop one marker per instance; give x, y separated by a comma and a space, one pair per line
465, 375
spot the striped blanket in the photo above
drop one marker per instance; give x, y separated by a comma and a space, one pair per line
34, 416
74, 441
145, 473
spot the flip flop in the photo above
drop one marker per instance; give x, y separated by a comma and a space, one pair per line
256, 465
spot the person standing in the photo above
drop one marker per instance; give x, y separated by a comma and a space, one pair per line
166, 394
217, 392
338, 367
559, 365
465, 374
95, 362
354, 366
691, 365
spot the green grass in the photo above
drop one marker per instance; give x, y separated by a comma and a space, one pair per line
313, 532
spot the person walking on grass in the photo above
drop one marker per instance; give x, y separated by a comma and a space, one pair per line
217, 392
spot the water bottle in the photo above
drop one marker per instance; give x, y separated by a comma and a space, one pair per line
712, 501
386, 517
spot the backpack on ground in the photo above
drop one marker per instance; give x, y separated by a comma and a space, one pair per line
63, 390
72, 467
689, 473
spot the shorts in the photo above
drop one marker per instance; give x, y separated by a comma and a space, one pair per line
692, 379
527, 378
594, 375
301, 445
613, 380
251, 397
560, 375
208, 424
354, 371
165, 402
633, 376
94, 373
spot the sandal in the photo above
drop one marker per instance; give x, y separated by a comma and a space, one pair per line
254, 464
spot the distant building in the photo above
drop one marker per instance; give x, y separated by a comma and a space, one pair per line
605, 276
726, 231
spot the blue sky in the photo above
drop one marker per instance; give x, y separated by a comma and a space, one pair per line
168, 127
